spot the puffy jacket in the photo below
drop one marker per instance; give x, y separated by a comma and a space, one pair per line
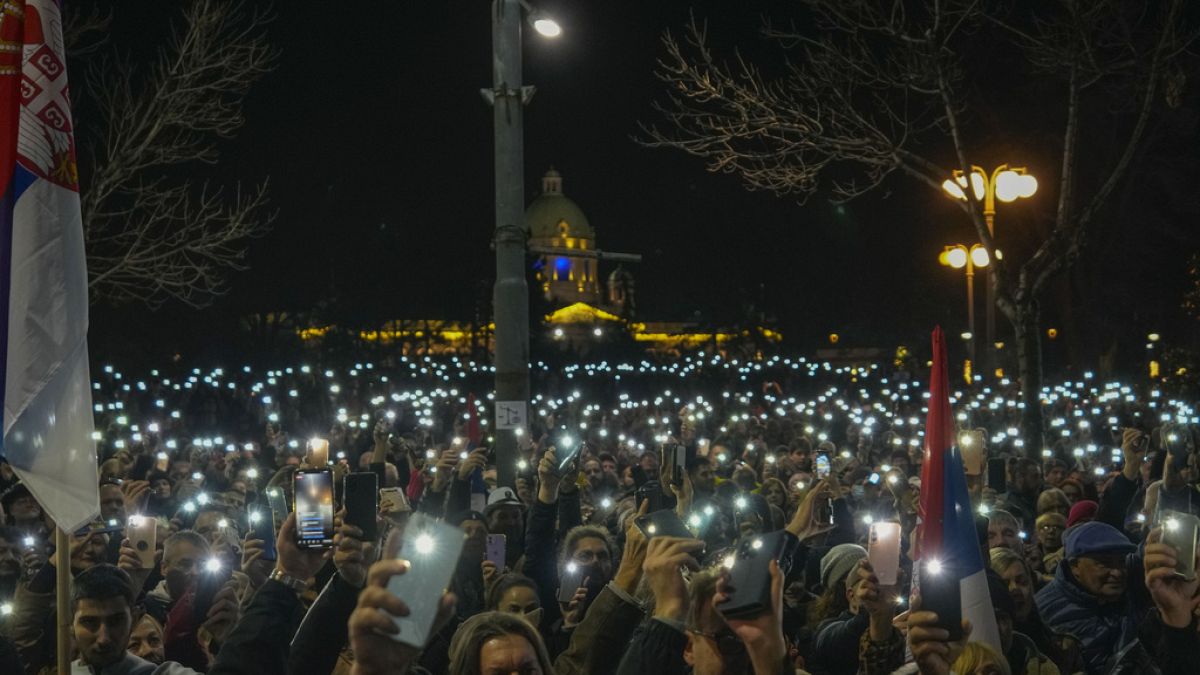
1102, 629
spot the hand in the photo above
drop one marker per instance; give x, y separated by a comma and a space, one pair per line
444, 469
129, 561
664, 557
577, 607
32, 559
351, 554
804, 524
371, 625
476, 460
294, 561
684, 494
135, 492
381, 432
490, 573
930, 645
548, 478
1133, 447
224, 613
253, 565
1174, 596
877, 600
629, 573
763, 634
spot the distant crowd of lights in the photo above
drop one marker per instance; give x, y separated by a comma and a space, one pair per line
424, 384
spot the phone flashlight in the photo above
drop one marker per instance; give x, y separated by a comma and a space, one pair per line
251, 473
197, 476
463, 455
572, 567
189, 507
222, 523
424, 544
212, 565
430, 454
255, 516
30, 542
202, 498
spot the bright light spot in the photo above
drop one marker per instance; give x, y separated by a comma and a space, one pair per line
212, 565
756, 544
934, 566
547, 27
423, 544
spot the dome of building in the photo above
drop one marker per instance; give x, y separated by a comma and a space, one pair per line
552, 208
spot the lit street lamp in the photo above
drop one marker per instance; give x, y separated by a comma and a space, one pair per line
958, 257
1007, 185
510, 300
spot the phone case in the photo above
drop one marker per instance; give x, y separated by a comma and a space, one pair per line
883, 552
392, 500
971, 446
495, 550
997, 474
207, 585
1179, 530
569, 582
432, 549
750, 576
264, 529
662, 523
361, 497
318, 452
143, 534
941, 594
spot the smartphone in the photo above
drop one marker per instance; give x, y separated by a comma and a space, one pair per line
392, 500
313, 504
262, 526
652, 490
940, 593
360, 494
1179, 530
212, 576
970, 444
822, 466
432, 549
568, 458
495, 549
318, 452
883, 551
997, 474
570, 581
142, 533
675, 458
824, 514
750, 575
662, 523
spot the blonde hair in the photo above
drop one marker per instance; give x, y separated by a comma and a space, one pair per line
977, 654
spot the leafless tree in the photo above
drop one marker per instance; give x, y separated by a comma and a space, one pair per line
153, 232
872, 88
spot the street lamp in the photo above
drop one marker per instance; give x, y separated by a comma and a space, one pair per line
1006, 184
510, 300
958, 257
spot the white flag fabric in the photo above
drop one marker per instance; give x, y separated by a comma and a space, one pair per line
43, 272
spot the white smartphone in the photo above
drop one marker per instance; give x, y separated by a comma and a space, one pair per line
142, 532
432, 548
883, 552
970, 444
318, 452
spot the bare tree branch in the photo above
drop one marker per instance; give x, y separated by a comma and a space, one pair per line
151, 234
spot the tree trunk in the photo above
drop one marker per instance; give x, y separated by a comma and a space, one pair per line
1029, 364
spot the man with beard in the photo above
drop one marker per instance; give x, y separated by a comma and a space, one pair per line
102, 620
704, 481
11, 550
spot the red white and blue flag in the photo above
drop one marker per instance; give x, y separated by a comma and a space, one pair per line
46, 394
946, 521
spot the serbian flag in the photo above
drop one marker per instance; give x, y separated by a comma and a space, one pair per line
46, 396
946, 523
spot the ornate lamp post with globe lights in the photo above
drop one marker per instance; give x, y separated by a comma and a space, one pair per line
1007, 184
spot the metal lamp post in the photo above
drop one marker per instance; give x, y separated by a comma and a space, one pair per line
510, 299
958, 257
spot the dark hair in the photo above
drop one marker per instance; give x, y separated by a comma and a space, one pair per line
606, 457
101, 582
10, 534
580, 532
501, 586
468, 641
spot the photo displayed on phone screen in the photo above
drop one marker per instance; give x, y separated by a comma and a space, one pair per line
314, 509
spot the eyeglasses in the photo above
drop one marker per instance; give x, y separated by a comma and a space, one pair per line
728, 644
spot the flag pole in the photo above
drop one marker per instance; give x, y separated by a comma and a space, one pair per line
62, 588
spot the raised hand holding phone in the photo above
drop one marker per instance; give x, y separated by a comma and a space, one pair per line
930, 643
1174, 594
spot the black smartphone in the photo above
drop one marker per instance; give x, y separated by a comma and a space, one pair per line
212, 577
652, 490
675, 459
662, 523
361, 497
824, 511
262, 526
313, 504
750, 574
940, 594
997, 474
569, 582
567, 459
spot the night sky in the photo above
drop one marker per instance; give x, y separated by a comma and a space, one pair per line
379, 151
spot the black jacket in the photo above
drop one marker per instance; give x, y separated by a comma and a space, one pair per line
324, 631
259, 644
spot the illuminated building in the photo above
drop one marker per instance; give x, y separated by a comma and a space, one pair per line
584, 315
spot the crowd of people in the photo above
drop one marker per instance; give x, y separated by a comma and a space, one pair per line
558, 571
